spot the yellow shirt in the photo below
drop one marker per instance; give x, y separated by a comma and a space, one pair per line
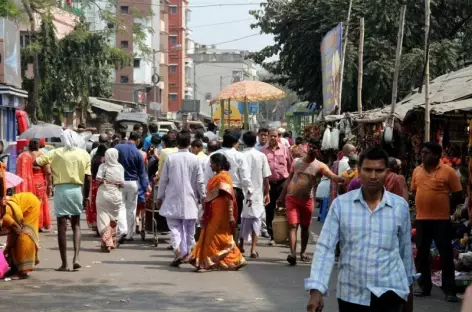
163, 156
202, 155
68, 166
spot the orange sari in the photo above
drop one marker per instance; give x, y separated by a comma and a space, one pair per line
23, 209
34, 181
216, 249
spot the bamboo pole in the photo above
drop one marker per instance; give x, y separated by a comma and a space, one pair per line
346, 33
427, 121
360, 71
398, 59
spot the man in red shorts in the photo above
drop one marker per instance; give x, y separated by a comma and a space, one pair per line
297, 197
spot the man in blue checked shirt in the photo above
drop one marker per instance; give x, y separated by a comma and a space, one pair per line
373, 228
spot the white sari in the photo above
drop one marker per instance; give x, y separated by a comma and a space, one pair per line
109, 195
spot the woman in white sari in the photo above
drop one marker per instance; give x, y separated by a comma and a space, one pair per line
111, 177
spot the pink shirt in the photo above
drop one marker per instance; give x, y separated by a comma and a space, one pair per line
280, 161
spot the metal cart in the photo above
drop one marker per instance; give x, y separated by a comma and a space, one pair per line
153, 223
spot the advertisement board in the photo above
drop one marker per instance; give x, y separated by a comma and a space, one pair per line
10, 57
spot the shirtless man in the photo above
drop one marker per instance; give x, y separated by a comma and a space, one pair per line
297, 197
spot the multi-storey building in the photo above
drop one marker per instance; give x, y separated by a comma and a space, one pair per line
217, 68
134, 83
179, 43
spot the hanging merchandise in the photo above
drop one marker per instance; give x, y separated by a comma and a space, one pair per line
388, 135
326, 143
335, 138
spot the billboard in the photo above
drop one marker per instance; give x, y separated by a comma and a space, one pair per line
190, 106
253, 108
10, 56
331, 56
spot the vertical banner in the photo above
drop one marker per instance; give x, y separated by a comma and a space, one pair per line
331, 55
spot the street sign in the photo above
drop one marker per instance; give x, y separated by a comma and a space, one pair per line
253, 108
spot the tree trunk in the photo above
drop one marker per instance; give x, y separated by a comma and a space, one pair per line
36, 79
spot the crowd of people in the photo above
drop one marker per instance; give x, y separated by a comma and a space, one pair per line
198, 180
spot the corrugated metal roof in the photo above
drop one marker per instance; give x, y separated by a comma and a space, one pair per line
449, 92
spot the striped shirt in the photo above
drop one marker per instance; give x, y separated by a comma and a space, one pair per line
376, 253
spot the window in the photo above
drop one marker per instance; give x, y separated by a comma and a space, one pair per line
124, 79
110, 25
173, 68
137, 63
172, 97
172, 40
124, 44
208, 96
173, 9
124, 9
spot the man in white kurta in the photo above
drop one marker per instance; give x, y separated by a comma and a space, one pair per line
251, 217
180, 189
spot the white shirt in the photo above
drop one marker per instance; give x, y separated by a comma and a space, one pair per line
210, 135
93, 152
285, 142
181, 186
239, 170
343, 165
259, 170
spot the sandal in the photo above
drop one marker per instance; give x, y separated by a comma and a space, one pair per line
292, 260
176, 263
254, 255
304, 258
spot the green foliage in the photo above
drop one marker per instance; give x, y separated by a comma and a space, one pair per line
71, 69
298, 27
8, 9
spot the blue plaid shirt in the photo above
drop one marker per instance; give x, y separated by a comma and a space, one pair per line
376, 253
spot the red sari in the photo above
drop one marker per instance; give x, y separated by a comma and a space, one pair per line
34, 181
91, 211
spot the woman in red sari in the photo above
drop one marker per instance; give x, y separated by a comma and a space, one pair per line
216, 248
91, 210
36, 180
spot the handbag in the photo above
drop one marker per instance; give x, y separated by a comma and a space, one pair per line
3, 265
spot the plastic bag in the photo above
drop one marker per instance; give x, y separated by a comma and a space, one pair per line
335, 139
388, 135
326, 143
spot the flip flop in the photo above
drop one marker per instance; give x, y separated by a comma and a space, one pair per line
305, 258
176, 263
255, 255
62, 269
292, 260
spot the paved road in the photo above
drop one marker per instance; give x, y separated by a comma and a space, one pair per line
137, 278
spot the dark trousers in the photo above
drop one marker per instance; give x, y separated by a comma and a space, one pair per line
440, 232
388, 302
239, 201
274, 193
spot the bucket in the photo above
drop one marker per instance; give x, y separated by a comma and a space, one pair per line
280, 227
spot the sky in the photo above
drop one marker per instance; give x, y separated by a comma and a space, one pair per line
233, 21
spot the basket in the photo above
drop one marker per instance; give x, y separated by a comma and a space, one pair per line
280, 227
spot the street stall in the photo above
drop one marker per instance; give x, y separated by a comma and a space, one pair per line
247, 91
300, 115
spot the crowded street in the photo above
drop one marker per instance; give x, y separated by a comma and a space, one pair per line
137, 278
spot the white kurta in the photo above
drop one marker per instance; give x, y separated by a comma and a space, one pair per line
259, 170
181, 186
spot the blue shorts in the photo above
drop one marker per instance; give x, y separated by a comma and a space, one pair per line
68, 200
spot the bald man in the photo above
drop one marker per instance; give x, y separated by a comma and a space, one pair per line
348, 151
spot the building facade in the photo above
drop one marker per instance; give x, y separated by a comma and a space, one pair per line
179, 43
135, 83
216, 69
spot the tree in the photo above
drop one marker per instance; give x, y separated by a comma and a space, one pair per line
107, 12
71, 69
298, 27
8, 9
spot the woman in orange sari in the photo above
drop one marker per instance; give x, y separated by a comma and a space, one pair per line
19, 215
216, 248
36, 180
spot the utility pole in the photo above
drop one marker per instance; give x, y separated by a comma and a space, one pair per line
346, 33
195, 86
154, 73
360, 72
427, 121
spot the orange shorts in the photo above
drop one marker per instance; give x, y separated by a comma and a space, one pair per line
299, 210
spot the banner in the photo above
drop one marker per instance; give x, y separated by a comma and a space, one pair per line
253, 108
331, 56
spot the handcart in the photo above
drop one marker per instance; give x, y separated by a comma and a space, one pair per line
153, 223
